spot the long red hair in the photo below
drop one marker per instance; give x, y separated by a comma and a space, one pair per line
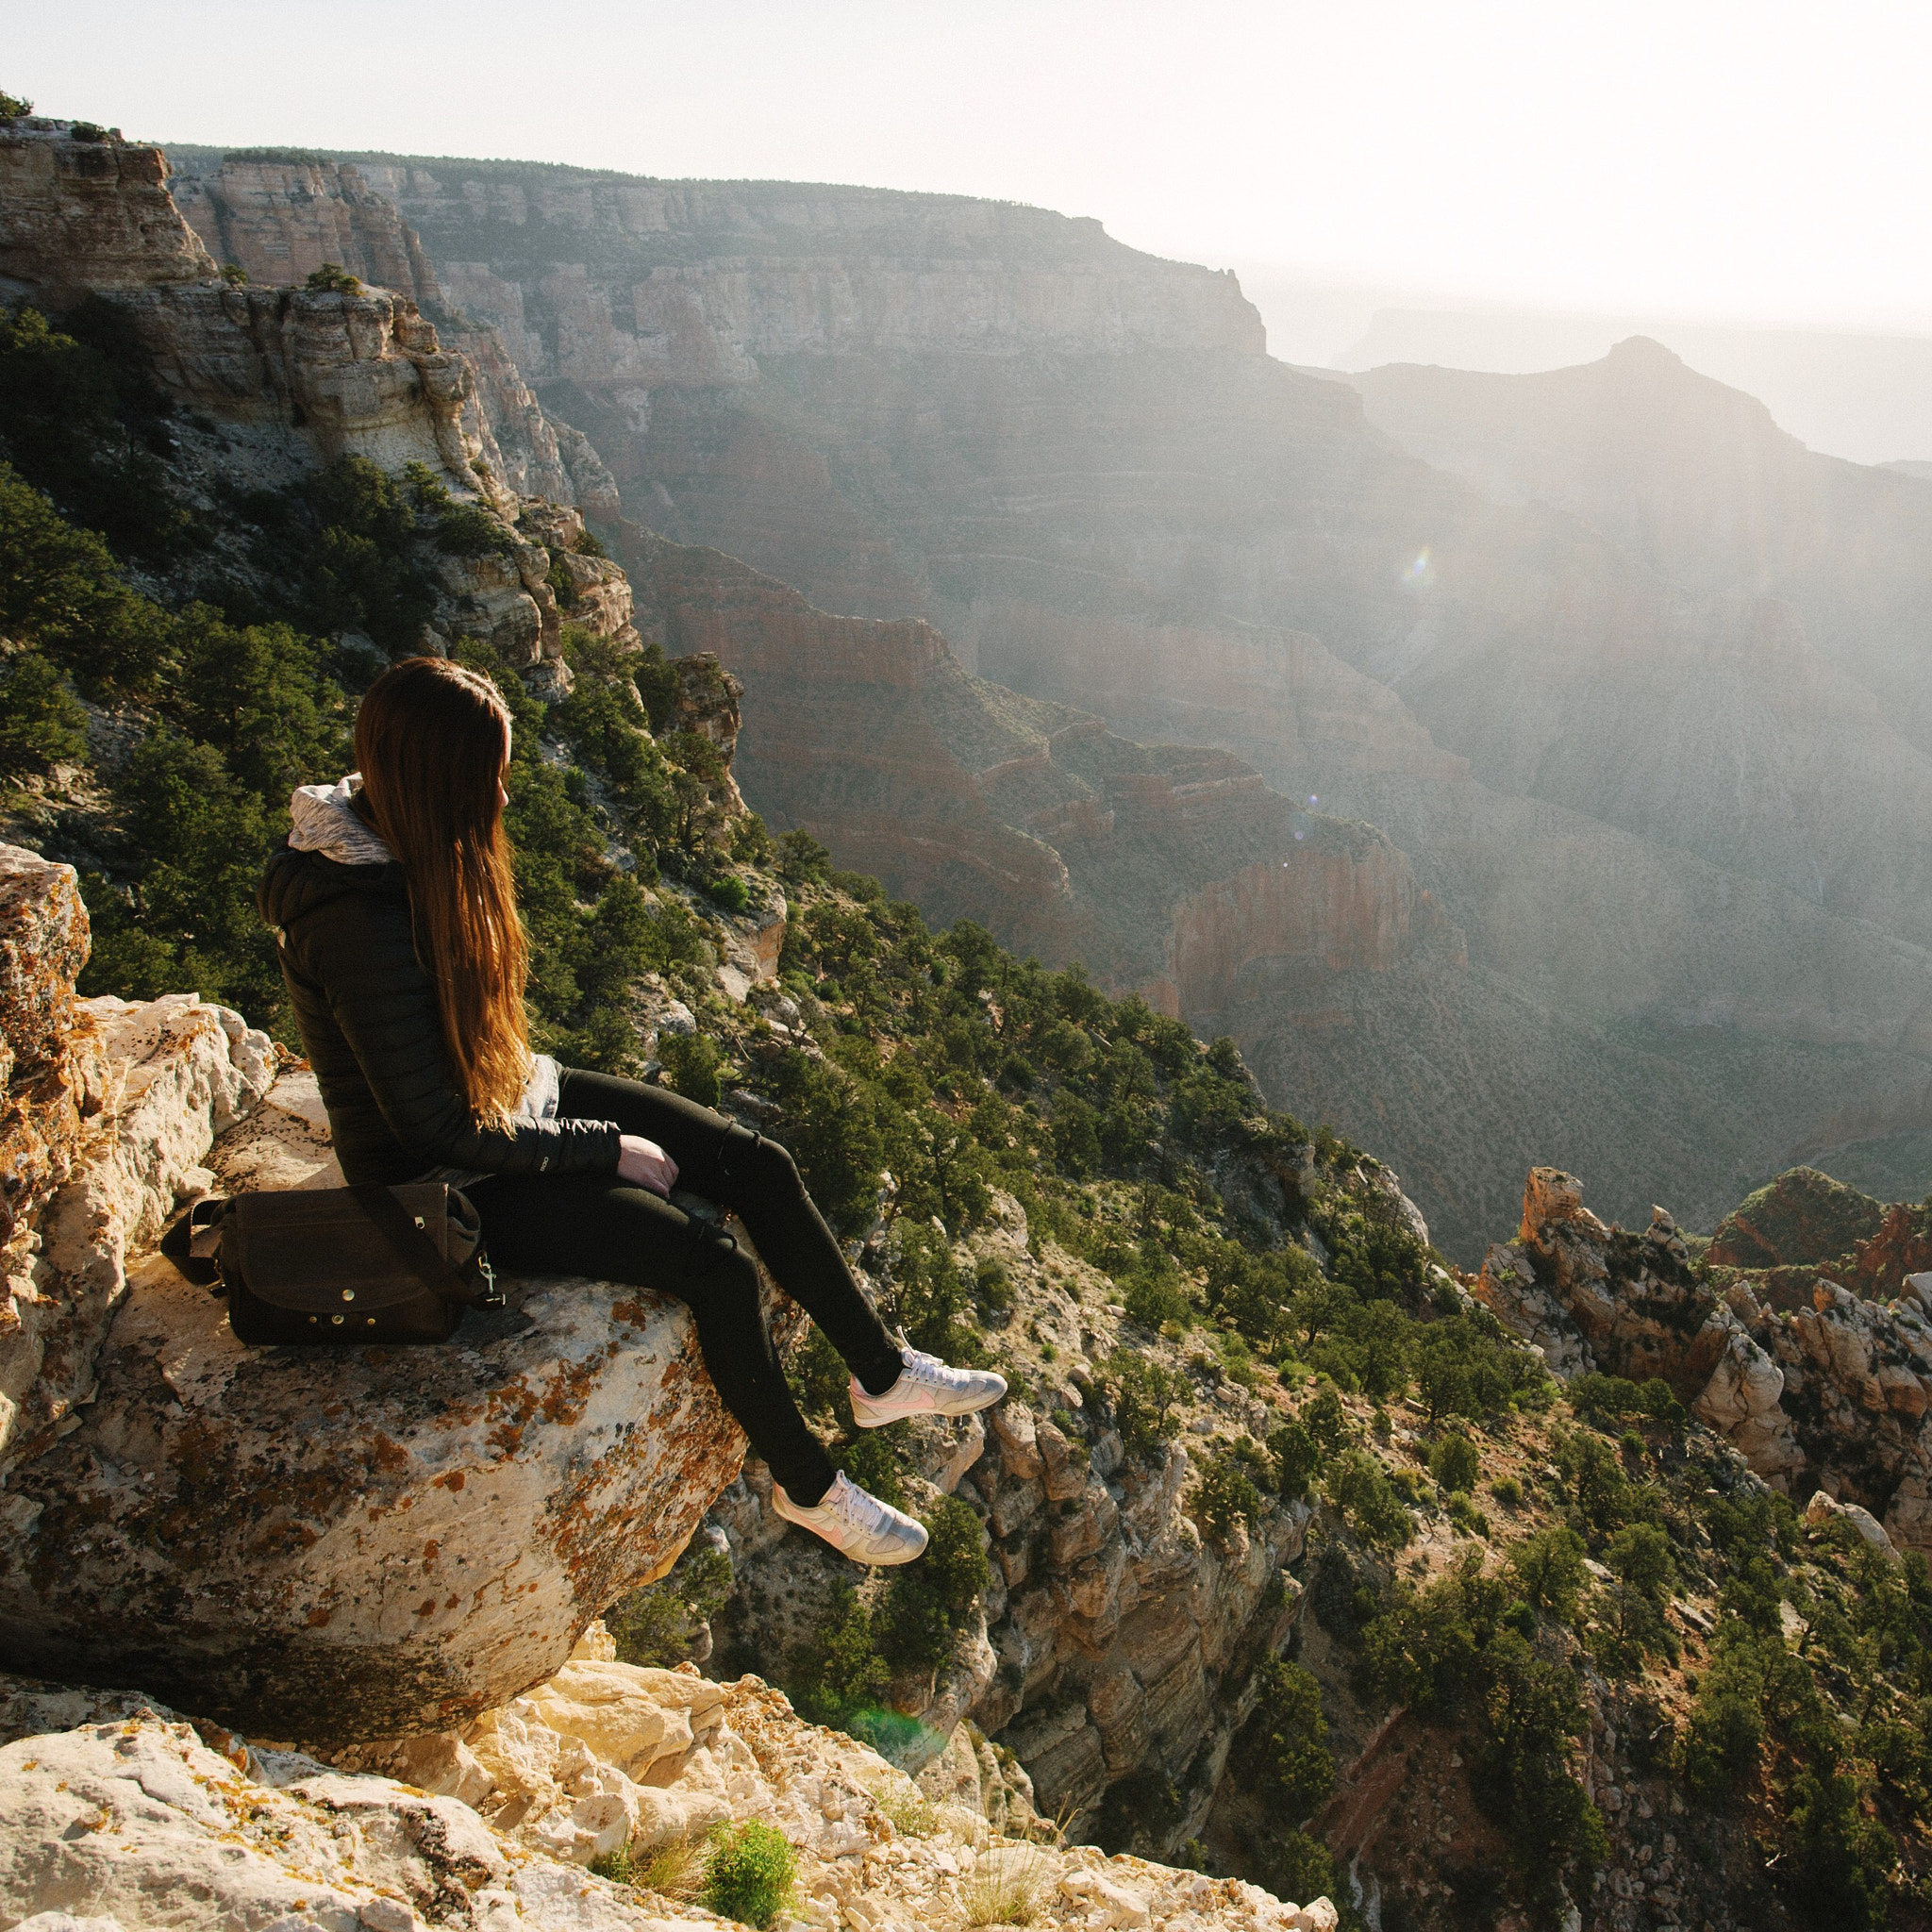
432, 739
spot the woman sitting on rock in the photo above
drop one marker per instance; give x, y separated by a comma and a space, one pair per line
405, 964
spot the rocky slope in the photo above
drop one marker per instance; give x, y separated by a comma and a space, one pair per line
1825, 1397
163, 1822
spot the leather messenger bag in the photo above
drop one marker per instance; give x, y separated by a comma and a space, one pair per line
344, 1264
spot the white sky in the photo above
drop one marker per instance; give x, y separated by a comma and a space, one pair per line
1755, 161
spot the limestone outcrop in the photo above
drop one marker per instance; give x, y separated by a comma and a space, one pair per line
109, 1109
307, 372
327, 1544
89, 216
125, 1815
278, 218
1830, 1394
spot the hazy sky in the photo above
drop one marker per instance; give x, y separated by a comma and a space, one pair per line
1747, 160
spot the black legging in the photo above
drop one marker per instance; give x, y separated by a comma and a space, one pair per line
613, 1230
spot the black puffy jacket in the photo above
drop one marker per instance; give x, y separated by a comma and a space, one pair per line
373, 1034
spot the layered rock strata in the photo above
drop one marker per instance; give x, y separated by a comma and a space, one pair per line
318, 374
278, 218
1167, 870
1830, 1396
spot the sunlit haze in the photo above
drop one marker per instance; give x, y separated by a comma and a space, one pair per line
1725, 161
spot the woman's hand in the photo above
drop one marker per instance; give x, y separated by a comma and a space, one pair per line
646, 1164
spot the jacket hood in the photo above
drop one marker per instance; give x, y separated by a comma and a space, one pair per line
323, 819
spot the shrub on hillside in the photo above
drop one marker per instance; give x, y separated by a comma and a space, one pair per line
41, 722
1224, 1495
1550, 1573
1609, 1402
1298, 1459
1454, 1462
1360, 1489
749, 1873
924, 1605
83, 418
839, 1676
1144, 1392
1451, 1650
1283, 1750
659, 1623
693, 1066
467, 529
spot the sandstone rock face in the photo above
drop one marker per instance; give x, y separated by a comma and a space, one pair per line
80, 217
1830, 1397
120, 1811
600, 596
316, 373
281, 219
1345, 910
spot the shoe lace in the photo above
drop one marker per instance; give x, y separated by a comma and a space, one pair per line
924, 1368
855, 1507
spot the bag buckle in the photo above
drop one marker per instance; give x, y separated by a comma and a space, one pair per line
493, 1296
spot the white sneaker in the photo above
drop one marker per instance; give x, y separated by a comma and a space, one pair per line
927, 1387
856, 1522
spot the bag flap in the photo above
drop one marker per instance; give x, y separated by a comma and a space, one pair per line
318, 1252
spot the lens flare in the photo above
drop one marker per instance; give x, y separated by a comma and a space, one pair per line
1421, 573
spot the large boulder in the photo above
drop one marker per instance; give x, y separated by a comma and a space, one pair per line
340, 1543
327, 1544
106, 1110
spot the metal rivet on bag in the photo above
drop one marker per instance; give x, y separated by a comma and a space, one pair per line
348, 1295
337, 1320
420, 1221
369, 1321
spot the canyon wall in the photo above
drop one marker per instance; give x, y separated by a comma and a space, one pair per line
278, 218
1169, 871
1650, 802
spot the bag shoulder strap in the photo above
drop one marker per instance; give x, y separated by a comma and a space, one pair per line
421, 1255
